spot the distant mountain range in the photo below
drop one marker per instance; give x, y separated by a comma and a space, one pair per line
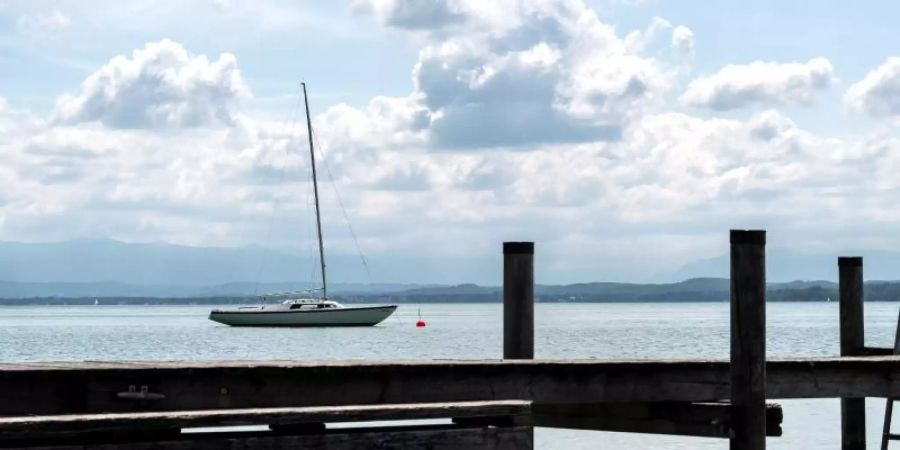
693, 290
108, 269
786, 266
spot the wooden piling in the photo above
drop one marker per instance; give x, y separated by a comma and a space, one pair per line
853, 410
518, 300
748, 339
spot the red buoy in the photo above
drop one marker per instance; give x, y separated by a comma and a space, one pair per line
420, 323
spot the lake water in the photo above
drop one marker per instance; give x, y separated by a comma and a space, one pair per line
468, 331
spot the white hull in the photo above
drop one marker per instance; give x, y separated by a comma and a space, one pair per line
277, 317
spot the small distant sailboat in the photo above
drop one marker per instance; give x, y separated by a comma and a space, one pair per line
96, 302
299, 310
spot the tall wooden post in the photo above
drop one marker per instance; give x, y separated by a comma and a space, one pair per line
853, 410
748, 339
518, 300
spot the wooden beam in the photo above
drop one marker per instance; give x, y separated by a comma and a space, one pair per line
874, 351
853, 410
677, 418
748, 340
448, 437
79, 388
12, 428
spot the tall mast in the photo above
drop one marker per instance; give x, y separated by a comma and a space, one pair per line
312, 159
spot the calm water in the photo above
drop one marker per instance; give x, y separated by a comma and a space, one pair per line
466, 331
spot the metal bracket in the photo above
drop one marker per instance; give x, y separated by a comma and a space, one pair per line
144, 394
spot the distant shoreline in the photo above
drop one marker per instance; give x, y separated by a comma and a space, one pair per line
235, 301
693, 290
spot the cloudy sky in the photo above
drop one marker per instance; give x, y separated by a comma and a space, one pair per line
625, 137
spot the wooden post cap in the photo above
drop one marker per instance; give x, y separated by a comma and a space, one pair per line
518, 248
849, 261
757, 237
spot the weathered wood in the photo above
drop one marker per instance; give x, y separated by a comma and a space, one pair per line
853, 410
447, 437
748, 340
518, 300
76, 388
678, 418
297, 428
886, 434
495, 421
851, 305
874, 351
276, 418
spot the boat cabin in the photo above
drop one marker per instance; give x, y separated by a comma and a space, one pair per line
311, 304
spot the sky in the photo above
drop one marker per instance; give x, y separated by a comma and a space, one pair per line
624, 137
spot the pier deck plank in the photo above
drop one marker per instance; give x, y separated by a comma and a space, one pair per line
435, 438
12, 428
89, 387
676, 418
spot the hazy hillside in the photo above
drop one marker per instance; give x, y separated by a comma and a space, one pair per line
697, 289
111, 269
694, 290
159, 264
784, 266
706, 289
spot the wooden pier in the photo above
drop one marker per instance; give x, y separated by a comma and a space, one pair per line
471, 404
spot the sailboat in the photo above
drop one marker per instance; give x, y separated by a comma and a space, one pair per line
300, 309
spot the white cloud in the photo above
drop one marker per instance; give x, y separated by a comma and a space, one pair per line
105, 176
414, 14
760, 82
584, 156
42, 24
529, 72
638, 40
385, 122
438, 15
878, 94
683, 41
670, 174
159, 86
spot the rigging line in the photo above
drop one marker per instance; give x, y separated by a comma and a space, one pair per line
337, 194
398, 318
277, 202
